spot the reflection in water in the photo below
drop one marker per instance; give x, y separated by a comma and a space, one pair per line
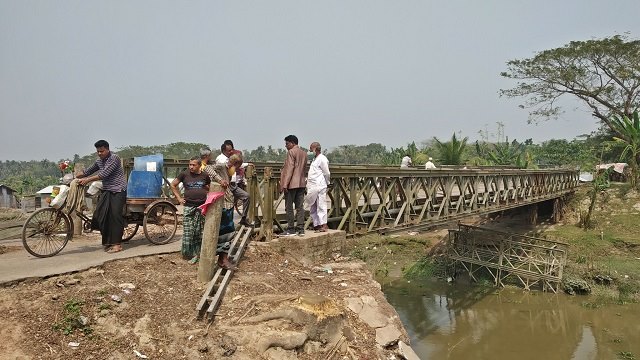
460, 322
586, 349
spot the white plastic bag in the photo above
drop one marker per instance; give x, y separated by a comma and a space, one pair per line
94, 188
59, 200
67, 179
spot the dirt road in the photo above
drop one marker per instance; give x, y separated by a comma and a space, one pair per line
281, 304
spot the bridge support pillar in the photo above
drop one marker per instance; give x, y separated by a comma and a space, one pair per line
558, 209
533, 213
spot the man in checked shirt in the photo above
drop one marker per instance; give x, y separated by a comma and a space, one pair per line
108, 216
221, 174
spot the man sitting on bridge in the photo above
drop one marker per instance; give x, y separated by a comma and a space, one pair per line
406, 162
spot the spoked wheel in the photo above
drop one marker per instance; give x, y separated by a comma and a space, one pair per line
238, 202
238, 206
129, 231
160, 223
46, 232
86, 226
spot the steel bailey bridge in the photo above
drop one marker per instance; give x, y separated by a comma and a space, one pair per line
371, 198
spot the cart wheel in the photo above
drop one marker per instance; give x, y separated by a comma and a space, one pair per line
129, 231
86, 226
46, 232
160, 223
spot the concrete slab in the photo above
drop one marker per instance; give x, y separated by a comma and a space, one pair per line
81, 253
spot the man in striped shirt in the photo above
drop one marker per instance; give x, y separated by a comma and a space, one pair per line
108, 216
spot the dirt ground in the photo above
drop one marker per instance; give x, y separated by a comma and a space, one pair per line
275, 308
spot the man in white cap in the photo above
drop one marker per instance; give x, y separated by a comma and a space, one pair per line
429, 164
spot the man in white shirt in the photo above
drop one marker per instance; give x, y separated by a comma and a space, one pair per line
318, 179
406, 162
429, 164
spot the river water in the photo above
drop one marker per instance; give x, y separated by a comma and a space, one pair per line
454, 321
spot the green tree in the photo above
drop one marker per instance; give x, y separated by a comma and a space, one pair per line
629, 128
504, 153
604, 74
373, 153
581, 153
451, 152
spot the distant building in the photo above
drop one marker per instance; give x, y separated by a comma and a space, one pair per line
7, 197
42, 196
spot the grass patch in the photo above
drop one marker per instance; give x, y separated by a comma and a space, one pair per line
611, 248
424, 268
389, 255
626, 355
72, 320
7, 214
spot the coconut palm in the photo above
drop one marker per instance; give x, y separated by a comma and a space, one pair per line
504, 153
629, 130
451, 152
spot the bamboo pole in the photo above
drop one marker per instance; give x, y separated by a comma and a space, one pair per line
208, 257
268, 211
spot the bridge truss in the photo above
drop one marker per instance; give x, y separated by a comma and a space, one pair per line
367, 199
371, 198
508, 258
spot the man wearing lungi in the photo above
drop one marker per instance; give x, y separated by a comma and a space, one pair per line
108, 216
196, 186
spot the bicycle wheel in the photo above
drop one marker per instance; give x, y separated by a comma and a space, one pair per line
46, 232
238, 206
160, 223
129, 231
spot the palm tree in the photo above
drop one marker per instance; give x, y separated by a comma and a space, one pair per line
504, 153
451, 152
629, 130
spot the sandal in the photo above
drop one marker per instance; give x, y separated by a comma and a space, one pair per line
114, 249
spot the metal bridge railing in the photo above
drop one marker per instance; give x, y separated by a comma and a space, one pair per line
368, 198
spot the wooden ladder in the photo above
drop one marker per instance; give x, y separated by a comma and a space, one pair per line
216, 288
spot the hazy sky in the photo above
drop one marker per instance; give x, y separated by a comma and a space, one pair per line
339, 72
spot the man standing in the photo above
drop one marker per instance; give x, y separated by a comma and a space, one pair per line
221, 174
196, 186
406, 162
317, 182
292, 183
227, 150
108, 216
429, 164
